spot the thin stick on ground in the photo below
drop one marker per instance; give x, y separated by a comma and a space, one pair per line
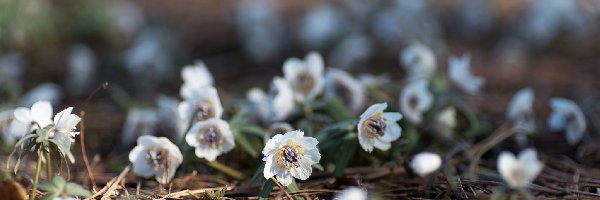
281, 188
82, 135
114, 185
185, 193
111, 183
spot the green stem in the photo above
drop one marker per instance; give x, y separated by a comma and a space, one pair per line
501, 134
48, 166
37, 176
225, 169
308, 110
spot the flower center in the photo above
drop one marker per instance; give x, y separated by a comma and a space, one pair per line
204, 110
210, 136
413, 101
374, 126
288, 155
305, 82
157, 157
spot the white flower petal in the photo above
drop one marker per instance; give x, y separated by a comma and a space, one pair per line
425, 163
41, 112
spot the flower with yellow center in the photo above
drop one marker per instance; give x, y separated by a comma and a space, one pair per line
290, 155
155, 156
211, 138
377, 128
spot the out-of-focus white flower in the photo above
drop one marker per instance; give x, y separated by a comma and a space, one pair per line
415, 100
148, 59
374, 80
419, 62
12, 65
204, 103
425, 163
211, 138
277, 104
321, 26
520, 110
446, 121
305, 76
352, 193
40, 113
519, 173
289, 156
277, 128
377, 128
260, 28
139, 122
45, 92
128, 17
11, 128
352, 51
168, 116
567, 116
82, 65
195, 77
341, 84
460, 74
155, 156
64, 127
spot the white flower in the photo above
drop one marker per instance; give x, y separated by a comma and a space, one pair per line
64, 127
305, 76
289, 156
352, 193
211, 138
195, 77
82, 64
353, 51
320, 26
415, 100
11, 128
377, 128
446, 121
519, 173
341, 84
425, 163
419, 62
155, 156
139, 122
127, 17
45, 92
520, 110
203, 102
460, 74
168, 116
40, 113
567, 116
275, 106
148, 58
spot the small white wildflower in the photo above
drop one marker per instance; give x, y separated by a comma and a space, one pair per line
341, 84
139, 122
195, 77
419, 62
320, 26
377, 128
460, 74
155, 156
11, 128
82, 67
45, 92
275, 106
289, 156
211, 138
128, 17
148, 58
519, 173
352, 193
520, 110
353, 51
305, 76
446, 121
40, 114
203, 102
415, 100
567, 116
64, 127
425, 163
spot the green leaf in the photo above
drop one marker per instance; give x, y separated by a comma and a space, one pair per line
254, 130
347, 151
258, 175
293, 187
48, 187
73, 189
50, 196
59, 181
243, 142
266, 189
336, 109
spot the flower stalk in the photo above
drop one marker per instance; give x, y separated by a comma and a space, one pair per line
37, 176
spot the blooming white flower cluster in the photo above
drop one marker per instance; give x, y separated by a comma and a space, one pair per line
290, 155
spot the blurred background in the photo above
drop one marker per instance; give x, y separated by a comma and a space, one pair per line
61, 50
